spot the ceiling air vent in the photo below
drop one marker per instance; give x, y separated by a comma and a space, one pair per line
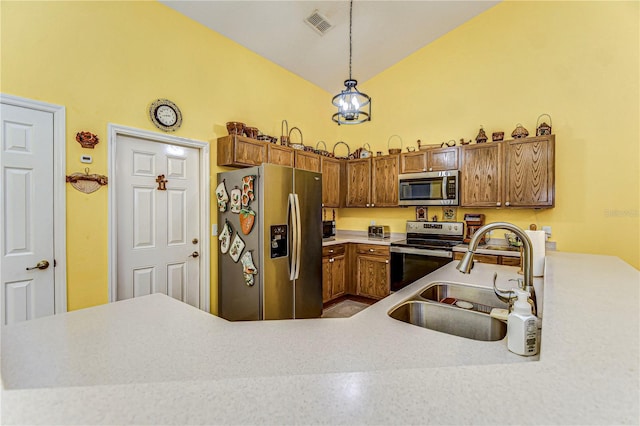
318, 22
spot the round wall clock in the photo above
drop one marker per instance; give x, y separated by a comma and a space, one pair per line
165, 115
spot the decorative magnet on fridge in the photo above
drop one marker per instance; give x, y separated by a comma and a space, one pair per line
225, 237
235, 200
247, 219
248, 268
247, 190
236, 248
222, 196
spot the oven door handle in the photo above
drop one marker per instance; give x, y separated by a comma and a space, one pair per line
422, 252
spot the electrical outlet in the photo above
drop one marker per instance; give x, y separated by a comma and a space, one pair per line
547, 231
214, 230
373, 222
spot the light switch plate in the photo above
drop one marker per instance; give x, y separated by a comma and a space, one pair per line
214, 229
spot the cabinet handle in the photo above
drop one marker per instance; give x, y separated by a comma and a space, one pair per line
498, 204
331, 251
507, 204
386, 261
331, 260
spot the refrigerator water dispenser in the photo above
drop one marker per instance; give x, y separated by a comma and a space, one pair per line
279, 237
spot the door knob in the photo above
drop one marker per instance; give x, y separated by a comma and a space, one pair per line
194, 254
43, 264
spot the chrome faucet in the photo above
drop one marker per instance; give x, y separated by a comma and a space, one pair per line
466, 263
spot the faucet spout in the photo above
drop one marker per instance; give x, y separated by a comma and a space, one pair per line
527, 254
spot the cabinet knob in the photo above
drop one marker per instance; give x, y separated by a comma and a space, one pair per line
386, 261
430, 169
424, 170
371, 250
373, 205
498, 204
331, 251
507, 203
331, 260
367, 204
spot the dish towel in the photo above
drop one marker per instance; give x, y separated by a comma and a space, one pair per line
538, 239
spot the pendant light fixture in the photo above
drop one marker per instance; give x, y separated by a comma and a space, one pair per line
350, 102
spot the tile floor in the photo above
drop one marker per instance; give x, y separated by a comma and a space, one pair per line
344, 309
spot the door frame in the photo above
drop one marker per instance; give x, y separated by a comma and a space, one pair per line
115, 130
59, 192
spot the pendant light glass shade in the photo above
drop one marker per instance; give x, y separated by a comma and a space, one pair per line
354, 107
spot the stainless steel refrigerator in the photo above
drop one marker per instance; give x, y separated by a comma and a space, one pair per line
281, 277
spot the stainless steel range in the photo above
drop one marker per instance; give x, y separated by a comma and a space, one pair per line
429, 246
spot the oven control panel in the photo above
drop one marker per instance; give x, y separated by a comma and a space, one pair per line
435, 228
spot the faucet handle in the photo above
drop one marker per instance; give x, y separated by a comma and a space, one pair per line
520, 282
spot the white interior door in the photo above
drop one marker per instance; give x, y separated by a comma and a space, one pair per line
27, 235
158, 219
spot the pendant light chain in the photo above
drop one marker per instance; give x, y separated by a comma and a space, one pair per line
350, 37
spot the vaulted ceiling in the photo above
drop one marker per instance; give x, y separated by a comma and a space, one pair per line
384, 32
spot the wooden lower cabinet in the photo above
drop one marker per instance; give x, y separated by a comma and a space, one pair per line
490, 258
373, 270
334, 271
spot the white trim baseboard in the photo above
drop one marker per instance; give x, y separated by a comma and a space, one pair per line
205, 265
59, 191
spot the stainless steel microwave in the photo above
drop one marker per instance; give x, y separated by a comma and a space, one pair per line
429, 188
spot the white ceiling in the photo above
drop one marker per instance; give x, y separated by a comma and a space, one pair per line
384, 32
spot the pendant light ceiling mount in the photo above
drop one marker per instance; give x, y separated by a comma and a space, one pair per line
351, 102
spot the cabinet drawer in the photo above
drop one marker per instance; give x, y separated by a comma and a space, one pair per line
511, 261
372, 249
334, 250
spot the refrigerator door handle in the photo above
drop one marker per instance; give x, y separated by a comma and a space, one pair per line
294, 237
299, 236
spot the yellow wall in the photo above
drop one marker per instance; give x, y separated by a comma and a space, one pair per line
578, 62
105, 62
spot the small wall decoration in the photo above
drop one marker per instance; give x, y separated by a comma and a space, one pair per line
85, 182
165, 115
449, 214
162, 183
87, 139
421, 213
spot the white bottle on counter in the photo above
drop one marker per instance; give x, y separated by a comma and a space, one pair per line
522, 337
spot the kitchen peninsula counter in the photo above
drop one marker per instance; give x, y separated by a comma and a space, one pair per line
361, 237
156, 360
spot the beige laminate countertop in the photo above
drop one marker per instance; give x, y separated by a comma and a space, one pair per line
154, 360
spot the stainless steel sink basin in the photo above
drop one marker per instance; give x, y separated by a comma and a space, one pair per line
450, 320
456, 309
482, 299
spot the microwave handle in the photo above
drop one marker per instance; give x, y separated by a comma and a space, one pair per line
444, 187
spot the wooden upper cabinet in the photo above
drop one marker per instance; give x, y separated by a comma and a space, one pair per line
331, 177
307, 160
529, 172
278, 154
384, 181
358, 173
442, 159
239, 151
430, 160
481, 175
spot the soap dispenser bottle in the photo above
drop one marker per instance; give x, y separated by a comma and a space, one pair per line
522, 327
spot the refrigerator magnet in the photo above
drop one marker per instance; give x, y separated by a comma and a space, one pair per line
247, 190
225, 237
247, 219
236, 248
248, 268
222, 196
235, 200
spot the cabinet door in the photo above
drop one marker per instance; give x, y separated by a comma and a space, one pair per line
358, 182
239, 151
326, 278
442, 159
384, 181
413, 162
307, 161
338, 276
481, 175
278, 154
529, 172
373, 276
331, 169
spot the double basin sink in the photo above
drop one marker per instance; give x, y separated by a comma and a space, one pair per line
452, 308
